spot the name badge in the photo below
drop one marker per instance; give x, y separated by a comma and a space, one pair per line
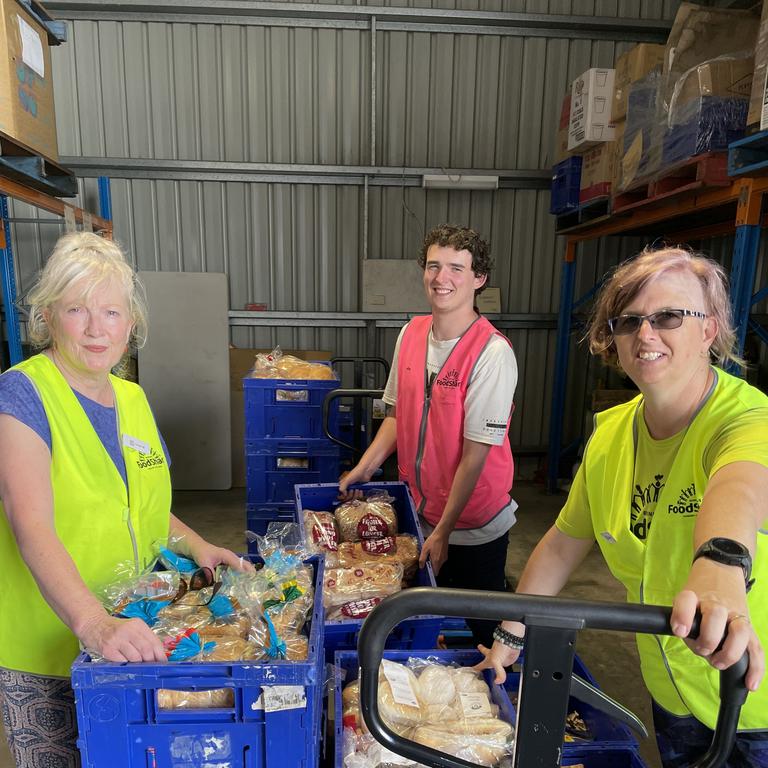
136, 444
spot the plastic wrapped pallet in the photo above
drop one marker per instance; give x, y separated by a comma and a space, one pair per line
705, 83
757, 96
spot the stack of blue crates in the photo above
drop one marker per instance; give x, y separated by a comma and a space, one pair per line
285, 444
566, 178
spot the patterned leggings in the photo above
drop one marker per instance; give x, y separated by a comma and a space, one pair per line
39, 719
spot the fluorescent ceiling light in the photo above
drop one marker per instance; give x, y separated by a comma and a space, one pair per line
459, 181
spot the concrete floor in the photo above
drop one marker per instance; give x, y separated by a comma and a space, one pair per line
611, 657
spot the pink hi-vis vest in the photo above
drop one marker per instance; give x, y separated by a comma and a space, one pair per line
430, 426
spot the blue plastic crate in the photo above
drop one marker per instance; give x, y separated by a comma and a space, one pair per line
608, 734
268, 479
566, 178
259, 516
417, 632
120, 723
288, 408
346, 670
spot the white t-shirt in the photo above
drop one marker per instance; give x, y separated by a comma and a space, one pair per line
487, 409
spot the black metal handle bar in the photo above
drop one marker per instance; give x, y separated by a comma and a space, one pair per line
333, 395
551, 616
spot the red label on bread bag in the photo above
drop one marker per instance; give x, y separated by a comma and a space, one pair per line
378, 546
372, 527
359, 609
324, 534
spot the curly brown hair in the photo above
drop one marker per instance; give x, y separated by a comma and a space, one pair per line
460, 239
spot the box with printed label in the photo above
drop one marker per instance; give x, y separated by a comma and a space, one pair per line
591, 97
26, 81
561, 138
123, 718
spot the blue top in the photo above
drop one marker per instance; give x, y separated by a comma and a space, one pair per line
20, 399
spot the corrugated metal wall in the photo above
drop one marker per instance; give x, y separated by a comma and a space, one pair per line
251, 92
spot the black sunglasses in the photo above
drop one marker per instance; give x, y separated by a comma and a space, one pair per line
664, 319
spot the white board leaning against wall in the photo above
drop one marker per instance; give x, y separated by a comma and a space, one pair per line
184, 369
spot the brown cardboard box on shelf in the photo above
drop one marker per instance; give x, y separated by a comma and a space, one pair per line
631, 67
240, 363
618, 155
757, 96
561, 138
26, 81
489, 301
597, 166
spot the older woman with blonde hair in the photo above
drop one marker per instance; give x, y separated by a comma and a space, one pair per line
78, 496
673, 488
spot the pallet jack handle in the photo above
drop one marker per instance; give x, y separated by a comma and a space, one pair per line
551, 627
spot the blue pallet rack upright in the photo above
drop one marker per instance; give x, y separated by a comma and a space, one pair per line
34, 197
670, 218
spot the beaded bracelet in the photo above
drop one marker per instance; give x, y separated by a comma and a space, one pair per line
508, 639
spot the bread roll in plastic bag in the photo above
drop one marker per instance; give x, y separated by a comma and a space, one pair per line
371, 519
367, 582
218, 698
403, 548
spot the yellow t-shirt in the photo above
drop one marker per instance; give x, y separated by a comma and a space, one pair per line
742, 439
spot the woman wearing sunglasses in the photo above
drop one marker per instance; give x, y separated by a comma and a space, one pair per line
674, 489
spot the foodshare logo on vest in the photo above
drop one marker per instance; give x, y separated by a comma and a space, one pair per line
451, 379
688, 502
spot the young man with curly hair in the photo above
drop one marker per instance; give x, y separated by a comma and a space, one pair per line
450, 398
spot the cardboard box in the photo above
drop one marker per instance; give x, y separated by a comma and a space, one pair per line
631, 67
240, 362
591, 99
561, 138
618, 155
489, 301
26, 81
758, 94
597, 171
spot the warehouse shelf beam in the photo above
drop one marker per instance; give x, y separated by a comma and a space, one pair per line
289, 173
243, 12
277, 319
743, 200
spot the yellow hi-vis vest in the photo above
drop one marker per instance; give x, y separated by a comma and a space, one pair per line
99, 521
654, 573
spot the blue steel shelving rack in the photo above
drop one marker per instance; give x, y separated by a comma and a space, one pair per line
10, 188
673, 217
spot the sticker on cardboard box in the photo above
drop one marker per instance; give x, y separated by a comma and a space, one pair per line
475, 704
32, 51
280, 697
400, 683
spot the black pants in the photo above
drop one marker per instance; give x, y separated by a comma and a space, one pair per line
477, 567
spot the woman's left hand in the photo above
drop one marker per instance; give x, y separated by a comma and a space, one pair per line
720, 597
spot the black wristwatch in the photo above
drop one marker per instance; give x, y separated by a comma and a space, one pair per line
728, 552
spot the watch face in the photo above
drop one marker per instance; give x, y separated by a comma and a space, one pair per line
729, 546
